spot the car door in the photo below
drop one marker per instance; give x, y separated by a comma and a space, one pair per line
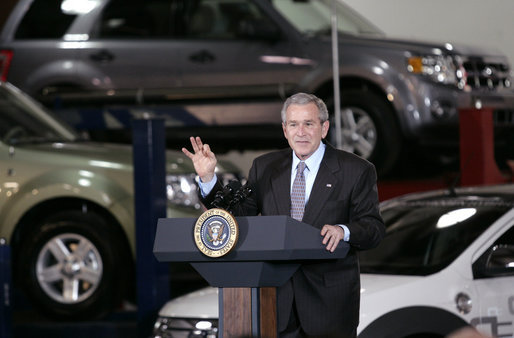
128, 47
494, 282
213, 58
231, 53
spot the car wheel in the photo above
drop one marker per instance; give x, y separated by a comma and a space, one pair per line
72, 269
368, 129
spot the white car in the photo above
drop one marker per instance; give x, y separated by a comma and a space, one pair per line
447, 261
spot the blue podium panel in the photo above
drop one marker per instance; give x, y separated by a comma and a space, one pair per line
261, 238
245, 274
268, 251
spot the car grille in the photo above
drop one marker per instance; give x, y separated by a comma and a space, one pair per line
487, 74
166, 327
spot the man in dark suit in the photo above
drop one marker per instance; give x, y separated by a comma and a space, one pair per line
340, 198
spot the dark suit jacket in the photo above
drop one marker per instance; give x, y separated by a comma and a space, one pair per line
326, 293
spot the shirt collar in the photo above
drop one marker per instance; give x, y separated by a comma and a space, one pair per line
314, 160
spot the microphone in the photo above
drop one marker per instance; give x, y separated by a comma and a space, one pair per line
240, 195
224, 196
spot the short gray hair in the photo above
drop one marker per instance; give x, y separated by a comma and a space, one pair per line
304, 98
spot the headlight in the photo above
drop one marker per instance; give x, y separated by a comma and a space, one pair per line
182, 189
186, 328
443, 69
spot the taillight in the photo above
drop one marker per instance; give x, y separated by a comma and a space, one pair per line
5, 61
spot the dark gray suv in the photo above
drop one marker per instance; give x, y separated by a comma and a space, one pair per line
230, 64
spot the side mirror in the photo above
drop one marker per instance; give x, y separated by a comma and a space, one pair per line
501, 257
496, 262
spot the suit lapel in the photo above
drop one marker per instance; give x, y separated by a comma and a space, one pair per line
281, 183
324, 184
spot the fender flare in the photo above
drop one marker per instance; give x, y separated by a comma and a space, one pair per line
413, 320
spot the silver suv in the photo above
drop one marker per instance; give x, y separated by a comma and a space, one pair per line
231, 63
67, 209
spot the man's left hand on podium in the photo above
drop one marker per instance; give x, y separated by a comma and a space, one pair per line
332, 235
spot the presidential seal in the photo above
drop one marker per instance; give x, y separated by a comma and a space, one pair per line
216, 232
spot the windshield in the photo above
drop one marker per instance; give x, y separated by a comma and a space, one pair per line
423, 238
313, 17
24, 121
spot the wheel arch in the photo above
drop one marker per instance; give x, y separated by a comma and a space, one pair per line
326, 90
416, 320
363, 94
54, 191
53, 72
29, 222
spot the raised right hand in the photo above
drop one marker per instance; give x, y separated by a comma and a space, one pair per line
203, 159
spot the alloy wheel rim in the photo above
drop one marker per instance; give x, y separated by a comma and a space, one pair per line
69, 268
359, 133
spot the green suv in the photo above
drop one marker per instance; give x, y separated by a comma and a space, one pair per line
67, 209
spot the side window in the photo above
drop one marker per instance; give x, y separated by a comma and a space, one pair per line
184, 19
135, 19
221, 19
498, 260
45, 19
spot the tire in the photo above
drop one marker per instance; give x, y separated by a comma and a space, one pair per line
70, 268
369, 129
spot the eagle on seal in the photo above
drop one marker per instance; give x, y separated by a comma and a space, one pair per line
215, 230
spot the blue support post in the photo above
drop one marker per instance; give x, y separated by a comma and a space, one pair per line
150, 205
5, 292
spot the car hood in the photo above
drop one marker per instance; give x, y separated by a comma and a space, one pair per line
420, 46
202, 303
111, 155
115, 153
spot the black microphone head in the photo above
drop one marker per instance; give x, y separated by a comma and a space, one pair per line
223, 198
241, 194
234, 185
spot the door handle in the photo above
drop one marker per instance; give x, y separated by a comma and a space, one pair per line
102, 56
203, 56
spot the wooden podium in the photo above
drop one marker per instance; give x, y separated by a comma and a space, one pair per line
269, 250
